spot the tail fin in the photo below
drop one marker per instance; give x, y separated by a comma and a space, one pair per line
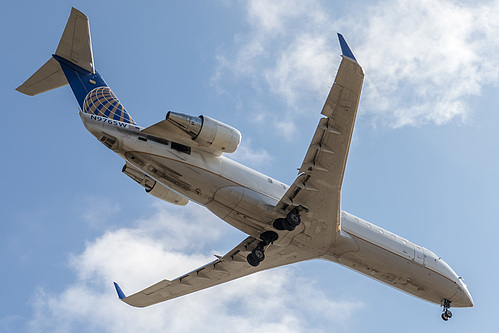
73, 63
75, 46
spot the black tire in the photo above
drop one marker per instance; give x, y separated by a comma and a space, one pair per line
448, 314
279, 224
293, 218
252, 260
268, 237
444, 317
287, 225
258, 255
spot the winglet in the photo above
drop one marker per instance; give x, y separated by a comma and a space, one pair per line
345, 49
120, 292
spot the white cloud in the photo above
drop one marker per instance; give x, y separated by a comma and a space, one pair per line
305, 67
423, 59
250, 156
278, 300
281, 52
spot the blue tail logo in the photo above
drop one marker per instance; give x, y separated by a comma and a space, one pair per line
73, 64
102, 102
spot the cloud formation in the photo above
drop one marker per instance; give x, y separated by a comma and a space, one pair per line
173, 241
423, 60
252, 157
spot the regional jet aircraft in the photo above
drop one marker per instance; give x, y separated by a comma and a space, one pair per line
182, 158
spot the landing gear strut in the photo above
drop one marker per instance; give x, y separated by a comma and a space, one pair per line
258, 254
446, 315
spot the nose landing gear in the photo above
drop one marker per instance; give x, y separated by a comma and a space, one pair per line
446, 315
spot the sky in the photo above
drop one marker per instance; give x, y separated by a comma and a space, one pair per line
423, 160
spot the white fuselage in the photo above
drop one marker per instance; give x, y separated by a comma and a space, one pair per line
246, 199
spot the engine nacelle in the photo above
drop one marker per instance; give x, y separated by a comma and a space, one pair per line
153, 187
207, 132
162, 192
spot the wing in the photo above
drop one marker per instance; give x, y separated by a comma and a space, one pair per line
229, 267
316, 191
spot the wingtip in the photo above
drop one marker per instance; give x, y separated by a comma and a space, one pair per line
120, 292
345, 49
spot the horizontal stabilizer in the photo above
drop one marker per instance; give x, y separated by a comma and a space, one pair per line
75, 46
48, 77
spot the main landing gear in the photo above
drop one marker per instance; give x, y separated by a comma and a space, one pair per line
446, 315
289, 223
258, 254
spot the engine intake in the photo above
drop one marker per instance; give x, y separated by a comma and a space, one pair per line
207, 132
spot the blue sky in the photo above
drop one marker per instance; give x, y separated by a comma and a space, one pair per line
422, 163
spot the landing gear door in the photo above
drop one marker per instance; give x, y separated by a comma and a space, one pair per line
418, 254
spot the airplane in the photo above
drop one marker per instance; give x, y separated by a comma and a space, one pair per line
182, 158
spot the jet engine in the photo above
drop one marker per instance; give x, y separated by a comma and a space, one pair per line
153, 187
207, 132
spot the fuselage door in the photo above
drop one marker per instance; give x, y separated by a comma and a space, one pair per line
418, 254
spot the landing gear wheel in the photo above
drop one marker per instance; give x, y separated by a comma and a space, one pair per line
252, 261
287, 226
258, 254
268, 237
446, 315
279, 224
293, 218
256, 257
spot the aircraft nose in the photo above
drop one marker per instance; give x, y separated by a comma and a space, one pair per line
469, 302
463, 298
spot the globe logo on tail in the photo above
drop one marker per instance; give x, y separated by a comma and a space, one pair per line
102, 102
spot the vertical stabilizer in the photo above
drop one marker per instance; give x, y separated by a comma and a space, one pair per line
75, 45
